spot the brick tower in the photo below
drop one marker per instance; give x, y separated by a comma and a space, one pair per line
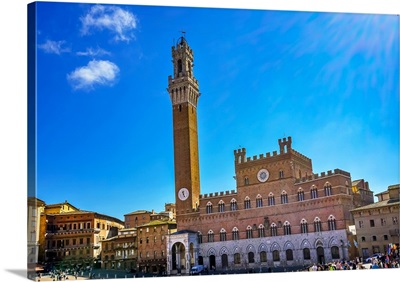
183, 89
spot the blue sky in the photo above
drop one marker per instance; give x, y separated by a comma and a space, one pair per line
104, 119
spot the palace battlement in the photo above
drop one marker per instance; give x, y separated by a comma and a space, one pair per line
322, 175
218, 194
285, 146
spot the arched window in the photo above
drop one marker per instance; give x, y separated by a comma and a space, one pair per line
289, 254
300, 195
314, 192
210, 236
250, 257
328, 189
304, 226
281, 174
332, 222
246, 181
261, 231
306, 253
274, 229
209, 207
335, 252
317, 225
259, 202
222, 235
236, 258
263, 256
221, 206
275, 255
271, 199
233, 205
286, 228
284, 197
200, 237
249, 232
235, 234
247, 203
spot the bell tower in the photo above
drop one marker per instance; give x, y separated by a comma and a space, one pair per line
183, 90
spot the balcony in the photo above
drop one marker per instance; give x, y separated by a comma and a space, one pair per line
394, 232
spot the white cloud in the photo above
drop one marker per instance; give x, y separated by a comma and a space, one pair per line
53, 47
93, 52
116, 20
95, 73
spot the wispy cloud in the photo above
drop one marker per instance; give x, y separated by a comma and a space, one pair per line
93, 52
94, 73
54, 47
118, 21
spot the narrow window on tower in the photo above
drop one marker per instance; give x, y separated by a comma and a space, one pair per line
179, 67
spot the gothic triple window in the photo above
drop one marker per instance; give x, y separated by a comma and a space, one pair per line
199, 237
332, 222
235, 234
209, 207
317, 225
314, 192
222, 235
221, 206
328, 189
300, 195
247, 204
284, 197
233, 205
274, 229
210, 236
304, 226
249, 232
271, 199
261, 231
259, 202
286, 228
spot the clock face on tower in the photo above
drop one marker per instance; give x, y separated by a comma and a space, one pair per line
183, 194
263, 175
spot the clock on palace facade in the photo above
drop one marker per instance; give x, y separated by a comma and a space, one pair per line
263, 175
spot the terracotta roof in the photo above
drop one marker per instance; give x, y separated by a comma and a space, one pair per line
378, 205
158, 222
138, 212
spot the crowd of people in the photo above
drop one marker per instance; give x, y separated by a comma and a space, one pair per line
383, 261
